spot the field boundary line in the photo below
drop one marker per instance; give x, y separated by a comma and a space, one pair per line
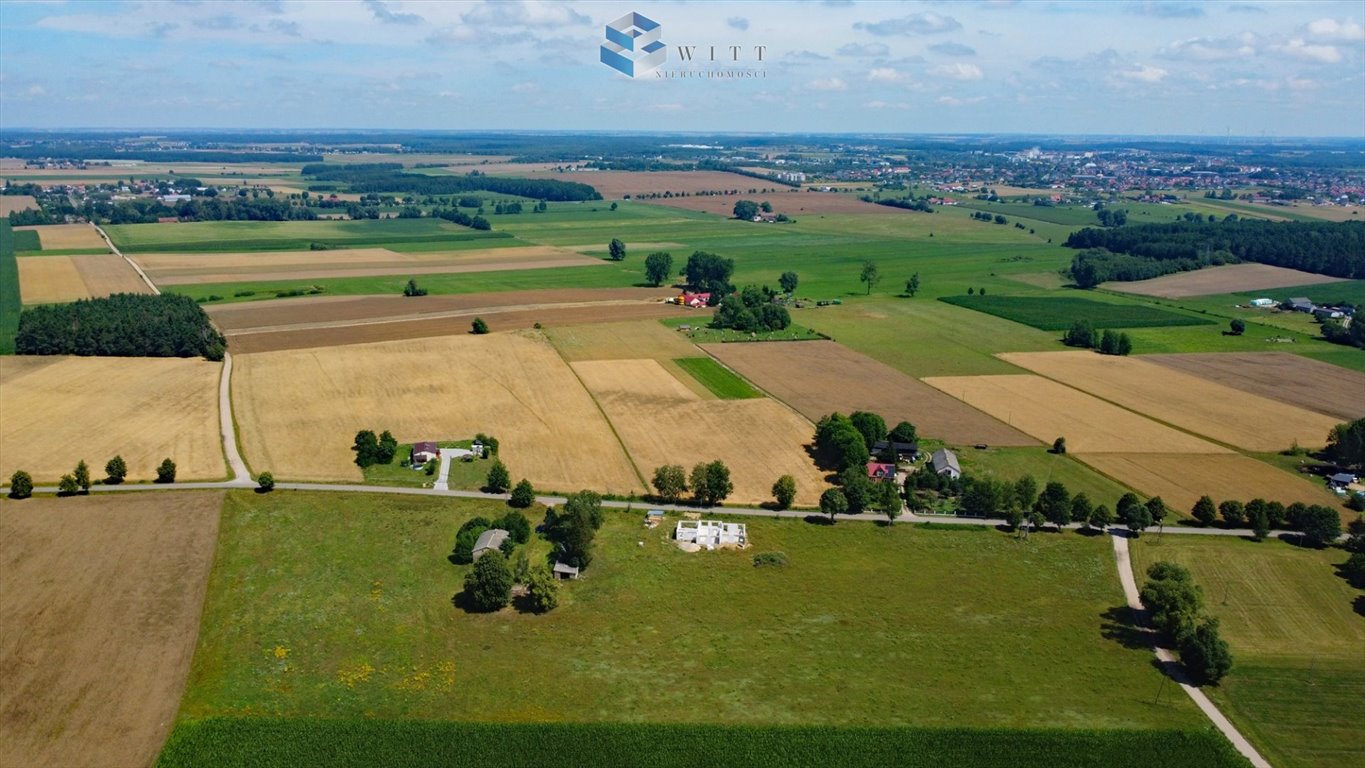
591, 396
756, 387
1170, 666
155, 291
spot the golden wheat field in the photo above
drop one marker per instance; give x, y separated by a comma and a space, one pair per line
298, 410
55, 237
12, 203
55, 411
662, 421
1047, 410
1201, 406
51, 279
1180, 479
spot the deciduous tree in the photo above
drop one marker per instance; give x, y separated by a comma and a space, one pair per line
489, 584
658, 267
82, 475
165, 472
115, 471
523, 495
1204, 511
670, 482
20, 485
870, 275
833, 502
542, 591
788, 281
616, 250
784, 491
498, 478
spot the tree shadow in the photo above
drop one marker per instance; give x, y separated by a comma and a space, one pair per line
1090, 531
465, 602
818, 520
1360, 605
1121, 625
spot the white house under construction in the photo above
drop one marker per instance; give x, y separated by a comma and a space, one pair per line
710, 534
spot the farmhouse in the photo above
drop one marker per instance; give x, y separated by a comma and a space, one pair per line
1341, 479
879, 471
695, 300
1328, 313
423, 452
904, 451
1301, 304
945, 463
488, 540
710, 534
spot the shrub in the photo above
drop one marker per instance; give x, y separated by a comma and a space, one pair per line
266, 482
523, 495
20, 485
115, 471
784, 491
770, 559
165, 473
1059, 445
478, 326
67, 486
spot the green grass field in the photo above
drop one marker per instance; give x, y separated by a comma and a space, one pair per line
1296, 633
26, 240
1057, 313
232, 236
721, 381
284, 742
466, 475
10, 303
1010, 464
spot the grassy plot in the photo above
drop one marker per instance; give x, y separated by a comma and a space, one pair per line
1057, 313
287, 742
26, 240
723, 382
311, 613
232, 236
1296, 635
1009, 464
468, 475
10, 303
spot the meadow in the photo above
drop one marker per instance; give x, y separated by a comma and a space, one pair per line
1057, 313
348, 617
721, 381
10, 302
1296, 635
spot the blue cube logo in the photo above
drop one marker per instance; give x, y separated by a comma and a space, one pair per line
632, 46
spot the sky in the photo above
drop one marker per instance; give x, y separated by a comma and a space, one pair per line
1158, 67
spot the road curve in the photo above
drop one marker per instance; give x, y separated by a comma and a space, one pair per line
1168, 662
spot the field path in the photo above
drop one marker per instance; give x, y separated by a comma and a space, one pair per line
228, 426
1170, 665
131, 263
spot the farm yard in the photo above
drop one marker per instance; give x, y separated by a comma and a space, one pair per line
1230, 278
819, 377
1293, 379
56, 411
1046, 410
1180, 479
1297, 638
1228, 415
511, 385
102, 599
48, 279
661, 421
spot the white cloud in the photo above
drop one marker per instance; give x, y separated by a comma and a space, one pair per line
954, 101
863, 49
1298, 49
665, 107
1142, 73
381, 12
36, 90
527, 87
883, 75
953, 49
914, 24
1212, 49
1331, 30
523, 13
827, 84
957, 71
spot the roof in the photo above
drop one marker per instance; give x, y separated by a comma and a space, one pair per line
490, 539
565, 568
900, 447
425, 447
654, 513
1343, 477
878, 470
944, 459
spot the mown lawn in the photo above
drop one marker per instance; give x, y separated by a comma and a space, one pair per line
1298, 640
723, 382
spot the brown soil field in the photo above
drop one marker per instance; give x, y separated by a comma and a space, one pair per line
638, 340
59, 237
1197, 405
101, 609
662, 421
11, 203
794, 203
1231, 278
1181, 479
617, 184
818, 377
55, 411
48, 279
1307, 383
173, 269
498, 319
1048, 410
299, 410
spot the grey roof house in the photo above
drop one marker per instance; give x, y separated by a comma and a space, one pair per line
489, 539
945, 463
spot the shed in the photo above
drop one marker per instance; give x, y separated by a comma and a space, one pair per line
1341, 479
565, 571
1300, 304
945, 463
489, 539
1263, 302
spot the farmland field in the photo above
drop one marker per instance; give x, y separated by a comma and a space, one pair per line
11, 303
1292, 379
1197, 405
661, 421
1046, 410
1231, 278
1181, 479
509, 385
354, 620
56, 237
172, 269
55, 411
101, 608
1056, 313
1010, 464
1295, 637
620, 341
616, 184
238, 236
49, 279
819, 377
721, 381
793, 202
11, 203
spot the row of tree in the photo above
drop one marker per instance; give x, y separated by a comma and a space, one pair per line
383, 177
709, 483
1082, 334
79, 480
1319, 525
1175, 605
371, 449
121, 325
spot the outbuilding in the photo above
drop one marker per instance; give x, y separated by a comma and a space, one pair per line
565, 571
1341, 479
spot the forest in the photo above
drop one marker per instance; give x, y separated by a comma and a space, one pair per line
388, 177
122, 325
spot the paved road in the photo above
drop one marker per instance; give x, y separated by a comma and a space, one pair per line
1172, 667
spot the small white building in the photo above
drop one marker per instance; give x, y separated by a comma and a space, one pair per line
1262, 302
710, 534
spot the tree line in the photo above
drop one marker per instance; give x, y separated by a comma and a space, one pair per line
122, 325
389, 177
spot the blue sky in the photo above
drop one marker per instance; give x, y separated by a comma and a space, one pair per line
1145, 67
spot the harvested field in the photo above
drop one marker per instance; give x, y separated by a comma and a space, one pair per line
98, 623
793, 202
509, 385
616, 184
662, 421
1312, 384
1230, 278
818, 377
620, 341
177, 269
1198, 405
48, 279
12, 203
1181, 479
60, 237
55, 411
1046, 410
